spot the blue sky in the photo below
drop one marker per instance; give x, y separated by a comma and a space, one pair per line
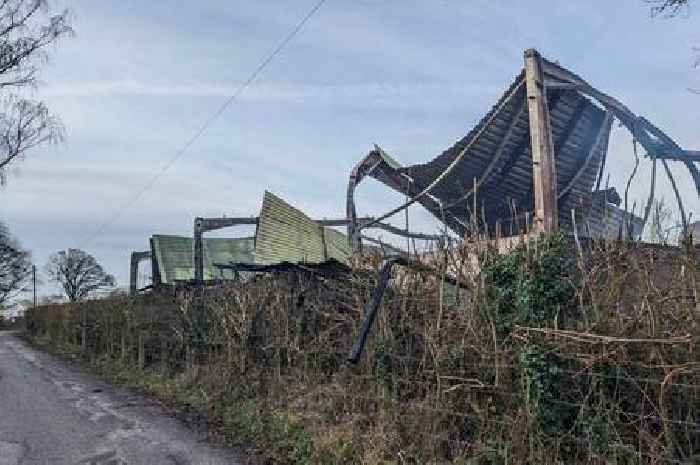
139, 78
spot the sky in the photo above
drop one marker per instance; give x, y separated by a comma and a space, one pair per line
139, 78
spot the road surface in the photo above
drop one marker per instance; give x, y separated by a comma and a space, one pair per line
51, 413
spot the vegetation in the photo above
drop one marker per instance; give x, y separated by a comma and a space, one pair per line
546, 355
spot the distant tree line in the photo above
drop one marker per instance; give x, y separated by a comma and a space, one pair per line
77, 272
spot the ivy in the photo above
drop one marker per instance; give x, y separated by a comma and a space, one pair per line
529, 287
544, 378
534, 286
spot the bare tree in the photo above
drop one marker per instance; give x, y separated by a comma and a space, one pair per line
670, 9
78, 273
15, 267
665, 227
27, 28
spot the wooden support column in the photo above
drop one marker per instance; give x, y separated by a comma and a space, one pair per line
133, 274
199, 229
544, 173
202, 225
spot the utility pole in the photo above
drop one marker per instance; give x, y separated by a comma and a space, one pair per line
34, 282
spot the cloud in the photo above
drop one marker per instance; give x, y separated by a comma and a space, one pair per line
336, 94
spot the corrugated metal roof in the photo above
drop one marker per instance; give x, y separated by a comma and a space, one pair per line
575, 123
285, 234
175, 254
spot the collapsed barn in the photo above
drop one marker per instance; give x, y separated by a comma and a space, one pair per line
535, 162
284, 236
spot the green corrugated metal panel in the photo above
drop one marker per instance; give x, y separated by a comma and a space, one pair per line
224, 251
285, 234
337, 245
175, 256
172, 253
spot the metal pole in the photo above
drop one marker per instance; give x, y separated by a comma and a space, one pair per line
34, 282
408, 239
370, 310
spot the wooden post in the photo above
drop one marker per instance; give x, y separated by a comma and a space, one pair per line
202, 225
544, 173
141, 351
198, 251
133, 274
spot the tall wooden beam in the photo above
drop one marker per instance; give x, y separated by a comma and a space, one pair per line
544, 172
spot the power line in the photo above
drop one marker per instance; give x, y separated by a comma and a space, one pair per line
181, 151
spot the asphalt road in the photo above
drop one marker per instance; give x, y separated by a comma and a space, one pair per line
51, 413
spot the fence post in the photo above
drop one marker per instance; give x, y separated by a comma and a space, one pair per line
142, 355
